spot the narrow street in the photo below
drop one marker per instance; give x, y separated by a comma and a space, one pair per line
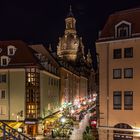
77, 133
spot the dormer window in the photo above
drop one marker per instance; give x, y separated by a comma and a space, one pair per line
11, 50
4, 61
123, 29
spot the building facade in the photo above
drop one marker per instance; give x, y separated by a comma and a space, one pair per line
29, 84
118, 51
35, 82
70, 50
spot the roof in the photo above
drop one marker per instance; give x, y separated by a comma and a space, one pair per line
23, 55
39, 48
131, 15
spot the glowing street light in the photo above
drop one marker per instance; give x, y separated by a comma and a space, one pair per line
84, 102
72, 111
63, 120
79, 106
61, 109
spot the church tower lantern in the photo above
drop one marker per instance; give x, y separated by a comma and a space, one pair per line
69, 44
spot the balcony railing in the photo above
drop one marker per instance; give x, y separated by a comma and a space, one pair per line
11, 133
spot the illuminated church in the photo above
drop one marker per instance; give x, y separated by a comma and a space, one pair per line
70, 46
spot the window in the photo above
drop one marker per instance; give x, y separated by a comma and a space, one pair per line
117, 73
32, 92
128, 73
128, 100
2, 110
0, 50
2, 78
11, 50
123, 135
117, 53
117, 100
128, 52
4, 60
123, 29
2, 94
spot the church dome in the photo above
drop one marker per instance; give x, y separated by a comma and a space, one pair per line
70, 43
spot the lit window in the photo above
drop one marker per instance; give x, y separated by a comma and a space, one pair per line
128, 100
117, 73
117, 100
117, 53
128, 73
128, 52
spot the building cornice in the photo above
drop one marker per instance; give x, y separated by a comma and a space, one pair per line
50, 74
12, 70
118, 40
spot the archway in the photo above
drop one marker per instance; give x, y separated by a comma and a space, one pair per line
123, 135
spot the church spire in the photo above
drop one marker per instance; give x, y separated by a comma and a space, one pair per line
70, 14
70, 22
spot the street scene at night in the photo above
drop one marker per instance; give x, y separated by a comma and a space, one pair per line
69, 70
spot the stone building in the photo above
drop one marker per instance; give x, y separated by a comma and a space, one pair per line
118, 50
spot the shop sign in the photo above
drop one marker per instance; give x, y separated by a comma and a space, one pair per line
30, 122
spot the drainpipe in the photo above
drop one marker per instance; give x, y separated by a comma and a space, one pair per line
107, 91
8, 94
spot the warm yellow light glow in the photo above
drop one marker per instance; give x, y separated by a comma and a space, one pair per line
79, 106
84, 102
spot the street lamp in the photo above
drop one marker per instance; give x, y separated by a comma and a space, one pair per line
63, 120
98, 88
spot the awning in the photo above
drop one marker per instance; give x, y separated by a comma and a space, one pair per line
15, 125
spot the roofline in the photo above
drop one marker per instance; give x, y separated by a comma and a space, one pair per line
117, 40
126, 11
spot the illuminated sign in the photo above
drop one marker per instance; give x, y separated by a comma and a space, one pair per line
30, 122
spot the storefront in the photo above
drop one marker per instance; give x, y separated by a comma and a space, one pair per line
31, 127
50, 123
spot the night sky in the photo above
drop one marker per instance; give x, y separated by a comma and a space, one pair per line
43, 20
